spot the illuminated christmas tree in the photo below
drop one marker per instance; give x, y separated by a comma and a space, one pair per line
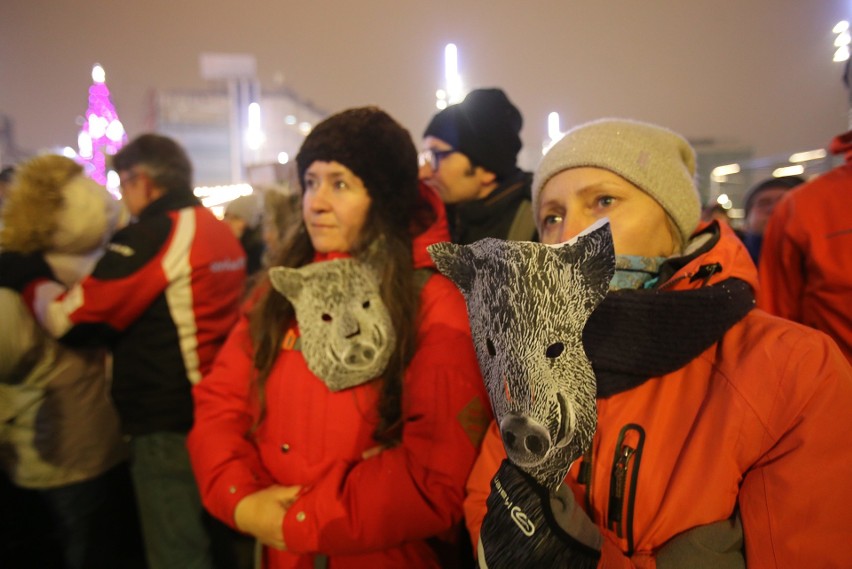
102, 133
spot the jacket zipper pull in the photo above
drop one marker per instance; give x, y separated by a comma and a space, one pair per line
584, 476
705, 272
618, 484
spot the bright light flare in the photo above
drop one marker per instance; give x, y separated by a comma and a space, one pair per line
212, 196
254, 134
796, 170
554, 132
98, 73
720, 173
455, 93
808, 155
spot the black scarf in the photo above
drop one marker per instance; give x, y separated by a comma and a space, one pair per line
635, 335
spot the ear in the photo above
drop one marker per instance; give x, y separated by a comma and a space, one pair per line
289, 282
486, 177
455, 262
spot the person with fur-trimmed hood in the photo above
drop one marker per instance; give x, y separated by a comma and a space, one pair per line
721, 430
163, 297
343, 414
59, 432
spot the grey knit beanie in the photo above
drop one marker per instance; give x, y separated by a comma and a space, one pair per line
656, 160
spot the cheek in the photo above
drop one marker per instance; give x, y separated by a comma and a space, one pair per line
354, 219
648, 238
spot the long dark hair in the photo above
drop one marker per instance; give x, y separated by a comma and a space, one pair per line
381, 153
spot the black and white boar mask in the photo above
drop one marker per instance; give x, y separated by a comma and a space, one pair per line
527, 304
347, 336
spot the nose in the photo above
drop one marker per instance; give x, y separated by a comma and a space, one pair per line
527, 442
573, 225
317, 200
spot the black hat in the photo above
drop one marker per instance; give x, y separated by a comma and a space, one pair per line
376, 148
485, 127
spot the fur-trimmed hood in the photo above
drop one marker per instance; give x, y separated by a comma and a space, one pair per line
53, 207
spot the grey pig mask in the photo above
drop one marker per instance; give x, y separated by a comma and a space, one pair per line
347, 336
527, 304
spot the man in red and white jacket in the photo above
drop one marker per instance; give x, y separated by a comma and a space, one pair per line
163, 298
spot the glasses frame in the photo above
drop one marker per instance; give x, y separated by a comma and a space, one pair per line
433, 157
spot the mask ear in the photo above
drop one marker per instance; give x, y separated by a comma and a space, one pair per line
592, 253
455, 262
289, 282
375, 257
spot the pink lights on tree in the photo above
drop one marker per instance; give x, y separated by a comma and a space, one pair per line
102, 134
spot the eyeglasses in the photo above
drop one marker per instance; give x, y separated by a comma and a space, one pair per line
127, 180
433, 157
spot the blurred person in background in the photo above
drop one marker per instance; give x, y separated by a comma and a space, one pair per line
470, 157
760, 202
806, 265
281, 216
245, 217
59, 432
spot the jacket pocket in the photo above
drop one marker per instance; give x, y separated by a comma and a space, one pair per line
622, 486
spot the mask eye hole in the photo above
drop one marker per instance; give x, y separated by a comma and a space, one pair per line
365, 304
489, 345
326, 318
554, 350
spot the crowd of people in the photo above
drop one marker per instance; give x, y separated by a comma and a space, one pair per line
299, 386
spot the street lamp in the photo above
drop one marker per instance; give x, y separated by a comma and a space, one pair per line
452, 92
554, 132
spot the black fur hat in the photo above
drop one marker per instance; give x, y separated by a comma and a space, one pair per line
377, 149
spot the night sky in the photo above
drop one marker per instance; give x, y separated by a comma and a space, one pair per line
752, 73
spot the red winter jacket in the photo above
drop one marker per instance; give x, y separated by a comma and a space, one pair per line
373, 512
757, 422
806, 264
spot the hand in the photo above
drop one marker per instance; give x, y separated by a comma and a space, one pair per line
528, 526
262, 514
718, 545
17, 270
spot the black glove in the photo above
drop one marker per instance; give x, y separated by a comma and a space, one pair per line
17, 270
528, 526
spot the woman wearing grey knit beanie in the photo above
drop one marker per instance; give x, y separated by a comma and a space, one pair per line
710, 413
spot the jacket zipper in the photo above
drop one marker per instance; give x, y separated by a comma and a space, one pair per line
622, 488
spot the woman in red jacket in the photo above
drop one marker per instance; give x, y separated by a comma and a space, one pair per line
720, 429
319, 459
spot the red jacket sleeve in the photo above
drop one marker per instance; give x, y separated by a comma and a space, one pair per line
478, 485
227, 465
794, 501
781, 267
415, 489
